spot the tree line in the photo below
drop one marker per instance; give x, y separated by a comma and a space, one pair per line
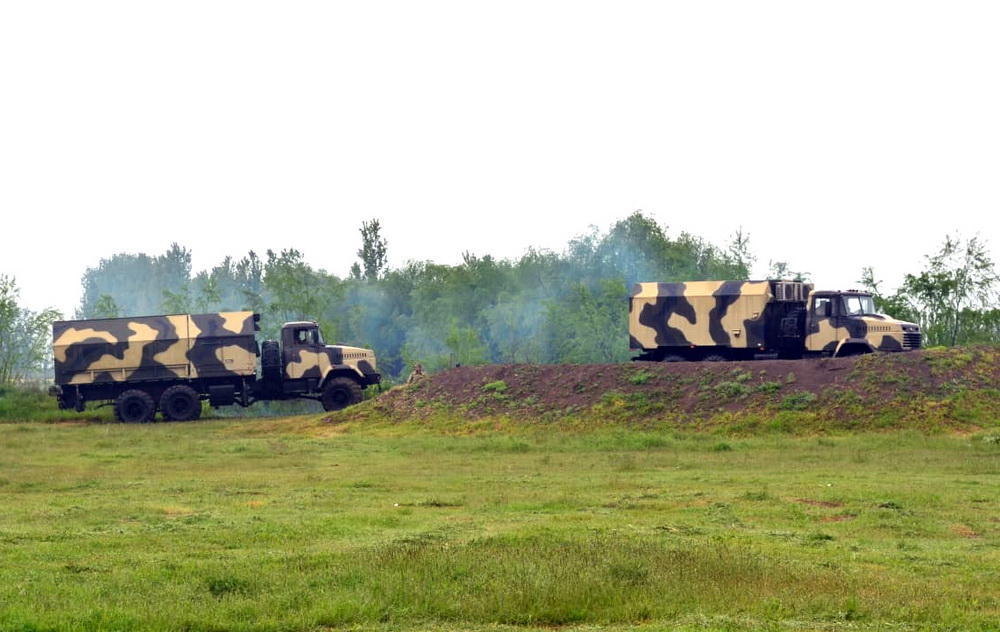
543, 307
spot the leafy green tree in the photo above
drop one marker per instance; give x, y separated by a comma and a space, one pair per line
139, 284
959, 281
105, 307
25, 336
954, 299
781, 270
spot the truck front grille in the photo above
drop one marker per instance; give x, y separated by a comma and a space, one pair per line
911, 341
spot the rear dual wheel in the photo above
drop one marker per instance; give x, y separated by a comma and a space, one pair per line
180, 403
135, 406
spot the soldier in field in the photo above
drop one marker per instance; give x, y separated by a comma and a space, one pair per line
416, 375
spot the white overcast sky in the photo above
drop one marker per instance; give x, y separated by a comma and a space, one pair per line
838, 134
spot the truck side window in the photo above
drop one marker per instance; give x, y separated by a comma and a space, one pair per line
819, 307
302, 336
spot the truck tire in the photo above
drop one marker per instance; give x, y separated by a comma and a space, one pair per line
339, 393
180, 403
714, 357
673, 357
135, 406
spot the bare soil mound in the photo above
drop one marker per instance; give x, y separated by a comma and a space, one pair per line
931, 388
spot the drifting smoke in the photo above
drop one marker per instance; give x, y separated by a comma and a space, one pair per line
543, 307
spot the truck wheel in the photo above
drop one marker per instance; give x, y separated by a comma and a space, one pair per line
714, 357
180, 403
135, 406
340, 393
673, 357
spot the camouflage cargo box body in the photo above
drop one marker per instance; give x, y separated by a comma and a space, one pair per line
185, 346
737, 319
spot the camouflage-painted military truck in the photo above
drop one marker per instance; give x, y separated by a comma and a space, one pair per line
738, 320
172, 363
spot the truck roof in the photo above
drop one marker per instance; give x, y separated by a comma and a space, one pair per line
702, 288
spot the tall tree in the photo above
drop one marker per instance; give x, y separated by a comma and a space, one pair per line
373, 252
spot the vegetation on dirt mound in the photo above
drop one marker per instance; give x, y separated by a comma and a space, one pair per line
934, 389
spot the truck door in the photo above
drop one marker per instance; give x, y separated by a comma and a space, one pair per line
301, 352
821, 330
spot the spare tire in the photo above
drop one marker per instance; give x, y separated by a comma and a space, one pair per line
135, 406
180, 403
270, 361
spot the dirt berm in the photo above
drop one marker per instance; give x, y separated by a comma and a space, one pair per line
935, 389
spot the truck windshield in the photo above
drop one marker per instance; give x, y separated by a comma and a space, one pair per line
856, 305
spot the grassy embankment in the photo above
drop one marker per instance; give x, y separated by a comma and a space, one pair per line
299, 525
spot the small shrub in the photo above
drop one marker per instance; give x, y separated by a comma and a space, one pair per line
798, 401
769, 387
640, 377
741, 376
499, 387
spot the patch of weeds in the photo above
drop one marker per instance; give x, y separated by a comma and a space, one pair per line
640, 377
79, 568
818, 538
790, 378
629, 573
731, 389
889, 504
624, 462
762, 494
990, 439
498, 387
421, 539
798, 401
437, 502
227, 585
628, 404
769, 387
722, 446
680, 529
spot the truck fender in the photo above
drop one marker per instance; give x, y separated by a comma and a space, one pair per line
342, 370
853, 346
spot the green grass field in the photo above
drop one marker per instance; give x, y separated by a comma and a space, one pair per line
296, 525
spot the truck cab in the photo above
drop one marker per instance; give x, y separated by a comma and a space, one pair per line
846, 323
304, 365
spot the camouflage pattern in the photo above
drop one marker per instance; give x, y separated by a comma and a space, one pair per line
700, 313
185, 346
831, 334
751, 315
323, 362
